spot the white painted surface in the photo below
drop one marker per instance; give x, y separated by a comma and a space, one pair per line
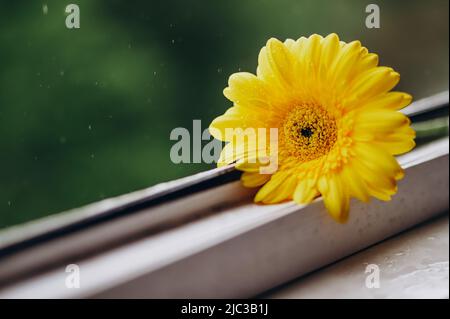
414, 264
243, 250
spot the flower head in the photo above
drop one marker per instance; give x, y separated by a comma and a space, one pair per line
338, 123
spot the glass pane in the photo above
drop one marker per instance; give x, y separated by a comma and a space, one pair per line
86, 113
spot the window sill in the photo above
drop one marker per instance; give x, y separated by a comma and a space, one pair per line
233, 249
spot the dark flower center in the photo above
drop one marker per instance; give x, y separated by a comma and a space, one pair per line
306, 132
309, 132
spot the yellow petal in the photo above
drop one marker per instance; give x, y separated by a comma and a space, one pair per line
248, 91
378, 160
373, 82
253, 163
276, 64
379, 121
355, 184
400, 141
290, 44
268, 191
391, 101
234, 152
345, 63
382, 194
305, 191
368, 61
330, 49
236, 122
335, 197
254, 179
312, 50
375, 180
397, 145
283, 192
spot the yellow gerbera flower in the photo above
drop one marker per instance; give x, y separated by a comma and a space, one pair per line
338, 124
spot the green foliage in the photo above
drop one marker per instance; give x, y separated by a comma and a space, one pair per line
86, 114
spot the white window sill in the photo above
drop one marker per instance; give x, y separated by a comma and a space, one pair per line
202, 236
233, 249
413, 264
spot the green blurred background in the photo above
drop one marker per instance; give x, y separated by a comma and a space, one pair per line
86, 114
